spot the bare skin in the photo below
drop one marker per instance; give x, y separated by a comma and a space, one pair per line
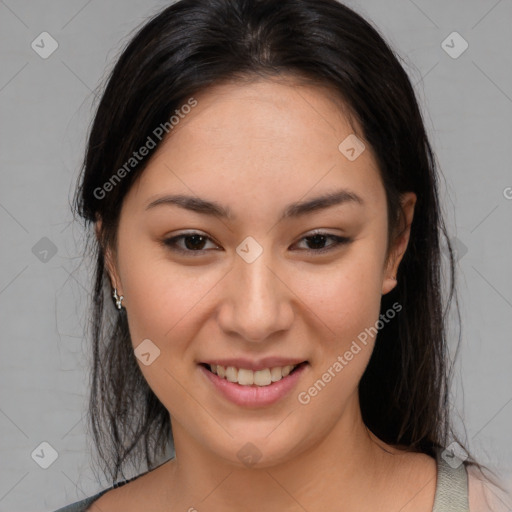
256, 148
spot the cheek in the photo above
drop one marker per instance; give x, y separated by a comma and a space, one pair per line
349, 312
347, 302
163, 304
347, 296
161, 298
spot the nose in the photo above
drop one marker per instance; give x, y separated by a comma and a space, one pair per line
257, 301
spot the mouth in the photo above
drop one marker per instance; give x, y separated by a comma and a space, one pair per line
256, 378
253, 388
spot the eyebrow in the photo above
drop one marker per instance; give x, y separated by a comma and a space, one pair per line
293, 210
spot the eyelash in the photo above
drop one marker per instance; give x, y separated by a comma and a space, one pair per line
338, 241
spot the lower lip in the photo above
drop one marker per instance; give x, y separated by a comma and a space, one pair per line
255, 396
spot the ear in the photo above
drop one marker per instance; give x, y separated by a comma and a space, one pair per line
109, 258
400, 241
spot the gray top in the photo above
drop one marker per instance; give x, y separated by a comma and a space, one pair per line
83, 505
452, 484
451, 488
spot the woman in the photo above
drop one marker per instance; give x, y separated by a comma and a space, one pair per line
265, 208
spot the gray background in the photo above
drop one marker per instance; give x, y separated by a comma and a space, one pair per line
46, 108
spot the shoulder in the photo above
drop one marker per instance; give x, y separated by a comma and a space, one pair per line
130, 494
485, 496
91, 504
82, 505
138, 493
108, 498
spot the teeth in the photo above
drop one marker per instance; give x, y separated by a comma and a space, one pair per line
232, 374
246, 377
262, 377
276, 374
286, 370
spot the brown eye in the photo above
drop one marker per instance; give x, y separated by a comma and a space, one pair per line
192, 243
317, 242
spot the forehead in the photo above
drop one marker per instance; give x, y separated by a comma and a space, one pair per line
270, 116
274, 140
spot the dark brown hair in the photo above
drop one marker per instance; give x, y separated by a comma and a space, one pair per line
188, 47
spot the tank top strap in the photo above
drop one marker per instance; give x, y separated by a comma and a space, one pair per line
452, 483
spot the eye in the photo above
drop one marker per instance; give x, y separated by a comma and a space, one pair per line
319, 238
193, 243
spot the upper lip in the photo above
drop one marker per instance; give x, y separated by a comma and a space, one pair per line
255, 365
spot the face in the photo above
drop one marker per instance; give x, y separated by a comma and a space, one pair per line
261, 278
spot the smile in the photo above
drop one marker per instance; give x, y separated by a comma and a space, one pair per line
253, 388
246, 377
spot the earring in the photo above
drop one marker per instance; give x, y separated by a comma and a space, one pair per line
393, 278
118, 299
